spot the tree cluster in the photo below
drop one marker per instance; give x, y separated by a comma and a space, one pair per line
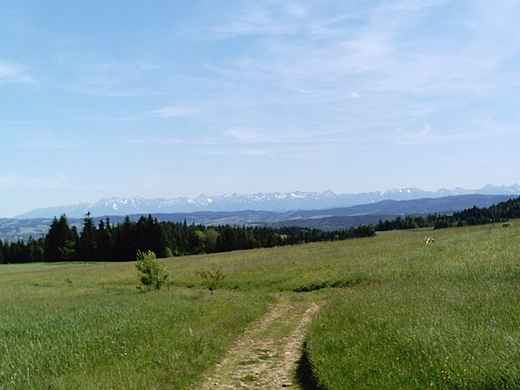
296, 235
122, 242
500, 212
408, 222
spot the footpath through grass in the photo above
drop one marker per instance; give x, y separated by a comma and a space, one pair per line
401, 315
117, 339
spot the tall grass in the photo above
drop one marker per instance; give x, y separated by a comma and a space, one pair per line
443, 316
74, 337
404, 315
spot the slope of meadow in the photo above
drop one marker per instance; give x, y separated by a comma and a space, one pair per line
399, 314
440, 316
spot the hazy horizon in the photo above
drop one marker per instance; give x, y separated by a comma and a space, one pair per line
165, 99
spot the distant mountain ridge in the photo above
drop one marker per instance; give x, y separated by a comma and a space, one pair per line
275, 201
12, 229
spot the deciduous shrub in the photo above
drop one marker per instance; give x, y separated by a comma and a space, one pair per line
212, 278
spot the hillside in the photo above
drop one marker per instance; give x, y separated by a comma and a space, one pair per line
392, 313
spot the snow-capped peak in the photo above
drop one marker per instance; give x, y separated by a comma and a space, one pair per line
275, 201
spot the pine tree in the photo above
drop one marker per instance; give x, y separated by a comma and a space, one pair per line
87, 245
104, 241
60, 241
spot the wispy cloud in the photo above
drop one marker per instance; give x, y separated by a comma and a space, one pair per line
388, 55
290, 152
111, 78
171, 111
31, 182
429, 135
253, 18
359, 82
252, 135
174, 141
14, 73
48, 140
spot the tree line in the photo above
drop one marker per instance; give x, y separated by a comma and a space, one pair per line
122, 241
501, 212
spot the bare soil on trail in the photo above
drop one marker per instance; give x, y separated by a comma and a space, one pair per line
266, 356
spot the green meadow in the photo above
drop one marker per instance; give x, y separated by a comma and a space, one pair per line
398, 314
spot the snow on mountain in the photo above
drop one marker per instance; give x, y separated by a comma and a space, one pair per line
261, 201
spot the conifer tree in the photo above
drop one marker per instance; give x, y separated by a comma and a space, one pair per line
60, 241
87, 245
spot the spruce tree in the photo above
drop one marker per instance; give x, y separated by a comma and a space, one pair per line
87, 245
59, 243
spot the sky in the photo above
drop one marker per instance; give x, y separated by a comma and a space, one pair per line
166, 99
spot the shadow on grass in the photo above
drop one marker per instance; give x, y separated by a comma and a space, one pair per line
304, 373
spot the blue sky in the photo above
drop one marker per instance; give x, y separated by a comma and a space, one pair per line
162, 98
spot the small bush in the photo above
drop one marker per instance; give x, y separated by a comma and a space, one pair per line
211, 279
151, 270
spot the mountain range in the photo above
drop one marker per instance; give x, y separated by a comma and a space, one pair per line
12, 229
276, 201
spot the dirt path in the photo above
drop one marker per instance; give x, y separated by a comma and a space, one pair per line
267, 354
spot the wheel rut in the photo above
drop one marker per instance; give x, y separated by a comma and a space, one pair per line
266, 356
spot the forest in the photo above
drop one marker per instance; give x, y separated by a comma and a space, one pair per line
501, 212
122, 241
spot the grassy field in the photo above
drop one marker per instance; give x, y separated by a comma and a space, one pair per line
400, 314
440, 316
